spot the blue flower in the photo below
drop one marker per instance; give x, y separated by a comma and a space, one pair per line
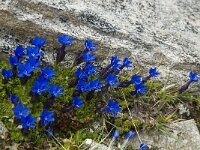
34, 63
55, 91
127, 63
130, 135
20, 111
19, 51
88, 57
77, 102
115, 134
82, 86
143, 146
14, 60
65, 40
89, 45
14, 99
40, 86
136, 79
25, 70
95, 85
153, 72
39, 42
112, 80
47, 73
28, 122
90, 70
113, 107
140, 88
34, 52
7, 73
80, 75
193, 77
47, 116
115, 63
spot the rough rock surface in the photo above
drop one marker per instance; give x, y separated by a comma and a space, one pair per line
3, 131
182, 135
153, 32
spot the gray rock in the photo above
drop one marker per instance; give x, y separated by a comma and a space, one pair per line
3, 130
152, 32
181, 135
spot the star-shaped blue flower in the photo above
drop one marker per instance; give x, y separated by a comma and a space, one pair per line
143, 146
47, 117
113, 107
20, 111
55, 91
140, 88
25, 70
47, 73
80, 74
95, 85
89, 45
33, 52
136, 79
127, 62
28, 122
14, 99
34, 63
39, 42
88, 57
77, 102
115, 63
65, 40
7, 74
153, 72
82, 86
90, 70
19, 51
130, 135
40, 86
193, 77
14, 60
112, 80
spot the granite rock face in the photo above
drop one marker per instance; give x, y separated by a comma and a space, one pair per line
152, 32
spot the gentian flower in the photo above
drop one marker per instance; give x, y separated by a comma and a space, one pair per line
115, 135
19, 51
136, 79
112, 80
28, 122
153, 72
90, 70
128, 136
55, 91
39, 42
80, 75
143, 146
113, 107
77, 102
89, 45
47, 73
34, 52
7, 74
47, 117
20, 111
40, 86
140, 88
95, 85
193, 78
65, 40
82, 86
14, 99
14, 60
114, 60
25, 70
127, 62
34, 63
88, 57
